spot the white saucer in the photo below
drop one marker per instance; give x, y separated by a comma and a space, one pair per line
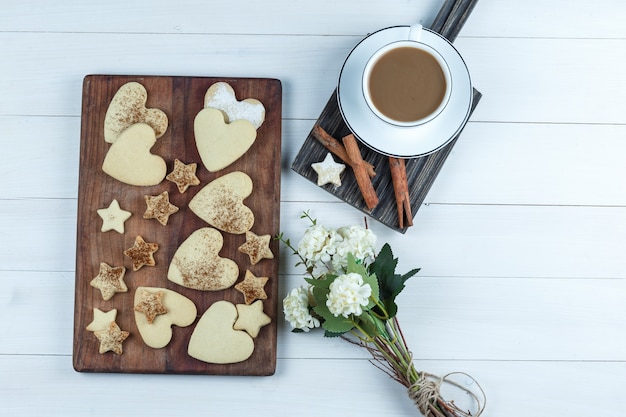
403, 142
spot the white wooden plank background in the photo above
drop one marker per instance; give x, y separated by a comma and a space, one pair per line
520, 241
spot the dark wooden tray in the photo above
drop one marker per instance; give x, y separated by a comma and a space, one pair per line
421, 172
181, 98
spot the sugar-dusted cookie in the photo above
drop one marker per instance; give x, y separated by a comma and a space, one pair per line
214, 340
221, 96
101, 319
220, 203
111, 338
141, 253
256, 247
219, 143
159, 207
150, 303
183, 175
128, 107
252, 287
113, 217
179, 311
129, 159
110, 280
196, 263
328, 171
251, 318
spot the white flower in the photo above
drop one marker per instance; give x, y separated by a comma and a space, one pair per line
356, 240
318, 244
296, 309
348, 293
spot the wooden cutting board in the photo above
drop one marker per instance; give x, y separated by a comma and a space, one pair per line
181, 98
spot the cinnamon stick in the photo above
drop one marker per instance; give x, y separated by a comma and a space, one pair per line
335, 147
401, 190
360, 172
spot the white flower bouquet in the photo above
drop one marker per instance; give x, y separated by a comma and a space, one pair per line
350, 292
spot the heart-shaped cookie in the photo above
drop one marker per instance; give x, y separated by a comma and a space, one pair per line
220, 203
196, 263
178, 311
215, 341
219, 143
128, 107
221, 96
129, 159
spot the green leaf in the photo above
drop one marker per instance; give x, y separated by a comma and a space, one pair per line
384, 267
321, 282
390, 283
338, 325
320, 295
411, 273
373, 283
371, 325
354, 266
391, 307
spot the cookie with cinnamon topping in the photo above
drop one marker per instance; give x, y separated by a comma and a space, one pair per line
198, 265
111, 338
110, 280
150, 303
159, 207
252, 288
221, 203
142, 253
183, 175
256, 247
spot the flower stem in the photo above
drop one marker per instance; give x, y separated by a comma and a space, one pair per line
391, 354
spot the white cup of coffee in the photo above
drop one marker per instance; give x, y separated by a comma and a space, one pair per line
407, 83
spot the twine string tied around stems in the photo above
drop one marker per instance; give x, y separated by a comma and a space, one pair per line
425, 392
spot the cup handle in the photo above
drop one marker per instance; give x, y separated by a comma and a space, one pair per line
415, 32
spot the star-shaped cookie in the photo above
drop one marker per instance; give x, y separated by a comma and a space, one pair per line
150, 304
328, 171
257, 247
141, 253
159, 207
113, 217
110, 280
183, 175
251, 318
252, 287
101, 319
111, 338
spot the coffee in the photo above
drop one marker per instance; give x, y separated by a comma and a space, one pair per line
406, 84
